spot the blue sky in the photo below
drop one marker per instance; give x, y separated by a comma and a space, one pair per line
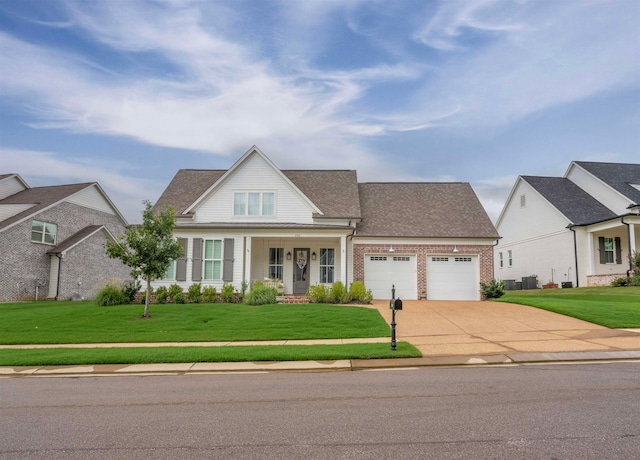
127, 92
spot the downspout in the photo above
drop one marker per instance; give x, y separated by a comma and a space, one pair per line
575, 254
346, 255
628, 244
59, 256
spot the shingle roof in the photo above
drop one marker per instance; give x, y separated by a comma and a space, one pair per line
572, 201
618, 175
335, 192
42, 197
75, 239
428, 210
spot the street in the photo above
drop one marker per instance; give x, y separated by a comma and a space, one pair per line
579, 411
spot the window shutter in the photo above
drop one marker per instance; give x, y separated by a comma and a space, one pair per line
181, 263
227, 264
196, 264
603, 254
618, 251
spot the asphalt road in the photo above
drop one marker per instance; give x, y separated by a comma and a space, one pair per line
586, 411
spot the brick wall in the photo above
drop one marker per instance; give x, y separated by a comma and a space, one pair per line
484, 252
22, 262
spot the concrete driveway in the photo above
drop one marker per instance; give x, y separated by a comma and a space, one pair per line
441, 328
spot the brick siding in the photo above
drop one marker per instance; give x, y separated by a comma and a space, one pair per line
23, 262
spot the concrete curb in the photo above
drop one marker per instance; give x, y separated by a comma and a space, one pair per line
318, 366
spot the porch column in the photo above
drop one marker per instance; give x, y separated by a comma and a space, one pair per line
343, 260
590, 248
632, 238
247, 259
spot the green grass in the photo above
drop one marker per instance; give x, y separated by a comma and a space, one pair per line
82, 356
84, 322
617, 307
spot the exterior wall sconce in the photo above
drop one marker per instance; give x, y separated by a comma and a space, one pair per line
289, 255
391, 249
455, 249
313, 256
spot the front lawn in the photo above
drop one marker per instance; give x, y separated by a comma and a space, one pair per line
614, 307
84, 322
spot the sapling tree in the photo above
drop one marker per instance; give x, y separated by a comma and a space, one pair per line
148, 248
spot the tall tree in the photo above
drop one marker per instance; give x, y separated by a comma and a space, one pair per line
148, 248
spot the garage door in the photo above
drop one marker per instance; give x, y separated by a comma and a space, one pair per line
383, 271
453, 278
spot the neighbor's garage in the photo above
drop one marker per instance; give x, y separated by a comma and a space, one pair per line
383, 271
453, 277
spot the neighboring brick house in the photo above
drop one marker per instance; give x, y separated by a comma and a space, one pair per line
578, 229
304, 227
52, 240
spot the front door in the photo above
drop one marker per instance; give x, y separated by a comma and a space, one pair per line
301, 271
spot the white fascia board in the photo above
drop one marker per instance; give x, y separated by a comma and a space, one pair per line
621, 195
506, 203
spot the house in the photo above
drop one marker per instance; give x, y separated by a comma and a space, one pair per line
578, 229
52, 240
296, 228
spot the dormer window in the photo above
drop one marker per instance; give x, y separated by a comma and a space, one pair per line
254, 203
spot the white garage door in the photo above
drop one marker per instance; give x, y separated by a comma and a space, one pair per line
453, 278
383, 271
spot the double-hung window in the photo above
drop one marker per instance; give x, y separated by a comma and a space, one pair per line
510, 254
212, 259
276, 263
42, 232
254, 203
609, 250
501, 260
327, 265
170, 274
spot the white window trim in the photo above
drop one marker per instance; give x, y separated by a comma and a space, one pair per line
213, 259
321, 266
510, 254
246, 203
501, 259
281, 265
44, 232
613, 250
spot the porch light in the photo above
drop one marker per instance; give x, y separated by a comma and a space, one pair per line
391, 249
289, 255
455, 249
313, 256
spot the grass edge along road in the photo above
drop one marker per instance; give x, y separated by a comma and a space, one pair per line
613, 307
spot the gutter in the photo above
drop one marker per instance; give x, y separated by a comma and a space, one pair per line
575, 253
59, 256
628, 244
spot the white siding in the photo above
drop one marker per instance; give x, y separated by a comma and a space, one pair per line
609, 197
10, 186
91, 198
255, 175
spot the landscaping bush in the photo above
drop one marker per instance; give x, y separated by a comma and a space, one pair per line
209, 294
493, 290
178, 298
161, 294
130, 289
227, 293
110, 295
193, 293
318, 293
339, 293
174, 290
358, 293
261, 295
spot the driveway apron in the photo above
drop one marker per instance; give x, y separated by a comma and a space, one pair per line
439, 328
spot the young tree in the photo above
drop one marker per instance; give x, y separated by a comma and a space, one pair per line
148, 248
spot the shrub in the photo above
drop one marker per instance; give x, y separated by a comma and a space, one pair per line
359, 293
209, 294
110, 295
318, 293
161, 294
174, 290
493, 290
193, 293
339, 293
261, 295
130, 289
178, 298
227, 293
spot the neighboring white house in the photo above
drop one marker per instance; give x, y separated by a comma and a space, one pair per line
580, 228
303, 227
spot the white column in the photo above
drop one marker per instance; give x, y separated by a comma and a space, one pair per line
54, 271
343, 260
590, 248
247, 259
632, 238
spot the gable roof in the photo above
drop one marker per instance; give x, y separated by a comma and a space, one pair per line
426, 209
568, 198
78, 238
618, 176
334, 192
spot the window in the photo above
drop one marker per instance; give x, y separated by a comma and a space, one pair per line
42, 232
212, 259
439, 259
463, 259
170, 274
254, 203
276, 263
401, 259
327, 265
510, 254
523, 201
378, 258
501, 260
609, 250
